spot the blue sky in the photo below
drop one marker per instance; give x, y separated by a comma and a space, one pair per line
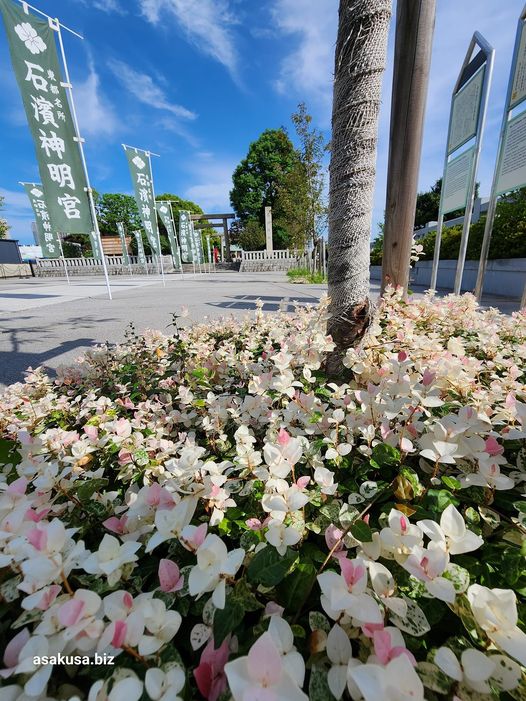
197, 80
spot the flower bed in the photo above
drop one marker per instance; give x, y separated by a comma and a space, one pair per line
206, 512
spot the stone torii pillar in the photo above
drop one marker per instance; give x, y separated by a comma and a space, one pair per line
227, 239
268, 229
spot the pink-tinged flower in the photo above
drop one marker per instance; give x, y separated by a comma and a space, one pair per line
92, 432
125, 457
70, 612
126, 403
492, 447
210, 674
272, 608
388, 644
119, 633
159, 497
428, 378
37, 538
12, 652
42, 599
192, 537
254, 524
302, 482
402, 355
333, 536
261, 676
115, 524
170, 579
36, 516
353, 572
18, 487
283, 436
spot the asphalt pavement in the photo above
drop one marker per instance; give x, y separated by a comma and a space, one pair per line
45, 322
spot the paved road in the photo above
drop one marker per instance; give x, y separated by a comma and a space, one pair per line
47, 323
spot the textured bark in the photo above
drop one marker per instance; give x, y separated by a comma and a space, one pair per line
361, 49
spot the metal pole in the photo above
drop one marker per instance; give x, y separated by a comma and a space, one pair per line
438, 239
492, 204
176, 241
209, 254
26, 6
490, 55
63, 258
55, 24
149, 154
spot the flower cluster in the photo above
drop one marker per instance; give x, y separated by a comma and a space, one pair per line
211, 513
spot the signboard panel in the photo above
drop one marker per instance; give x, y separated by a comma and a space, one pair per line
518, 88
465, 112
512, 167
47, 238
457, 180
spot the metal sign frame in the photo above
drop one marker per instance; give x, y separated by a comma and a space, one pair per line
483, 60
492, 204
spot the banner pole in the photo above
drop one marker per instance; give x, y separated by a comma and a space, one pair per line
63, 259
176, 241
80, 142
148, 153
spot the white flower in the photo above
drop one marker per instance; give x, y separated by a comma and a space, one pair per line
339, 652
125, 687
111, 557
488, 475
214, 565
452, 534
475, 669
495, 610
29, 36
169, 523
401, 536
428, 565
161, 625
397, 681
283, 639
262, 675
281, 536
325, 479
346, 592
165, 686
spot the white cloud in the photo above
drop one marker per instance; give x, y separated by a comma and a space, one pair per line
213, 182
108, 6
96, 115
307, 70
142, 86
206, 23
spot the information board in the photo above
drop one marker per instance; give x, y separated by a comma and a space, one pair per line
518, 88
512, 168
465, 111
457, 180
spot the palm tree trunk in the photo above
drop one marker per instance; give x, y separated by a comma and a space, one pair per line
361, 50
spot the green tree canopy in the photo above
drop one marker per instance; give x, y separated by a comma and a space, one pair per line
428, 202
4, 227
114, 207
300, 204
258, 177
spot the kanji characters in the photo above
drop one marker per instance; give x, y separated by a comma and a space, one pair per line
61, 173
43, 109
52, 144
39, 82
69, 204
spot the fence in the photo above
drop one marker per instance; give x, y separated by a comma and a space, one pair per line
54, 267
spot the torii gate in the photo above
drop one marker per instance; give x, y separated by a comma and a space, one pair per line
198, 219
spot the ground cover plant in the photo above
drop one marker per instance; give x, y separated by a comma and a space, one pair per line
207, 510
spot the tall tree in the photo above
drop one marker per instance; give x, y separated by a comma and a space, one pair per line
300, 205
258, 177
361, 48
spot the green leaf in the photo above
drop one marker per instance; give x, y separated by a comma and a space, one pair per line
451, 482
318, 685
296, 587
384, 455
361, 531
317, 621
227, 619
87, 489
9, 454
269, 568
244, 595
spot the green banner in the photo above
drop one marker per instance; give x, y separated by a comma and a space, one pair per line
122, 236
140, 247
164, 210
197, 244
141, 174
38, 74
186, 236
47, 238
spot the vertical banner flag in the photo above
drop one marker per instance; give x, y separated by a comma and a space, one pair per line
185, 236
122, 236
164, 210
141, 174
47, 238
140, 248
197, 243
38, 74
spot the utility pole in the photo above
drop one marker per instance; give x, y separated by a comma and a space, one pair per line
415, 23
